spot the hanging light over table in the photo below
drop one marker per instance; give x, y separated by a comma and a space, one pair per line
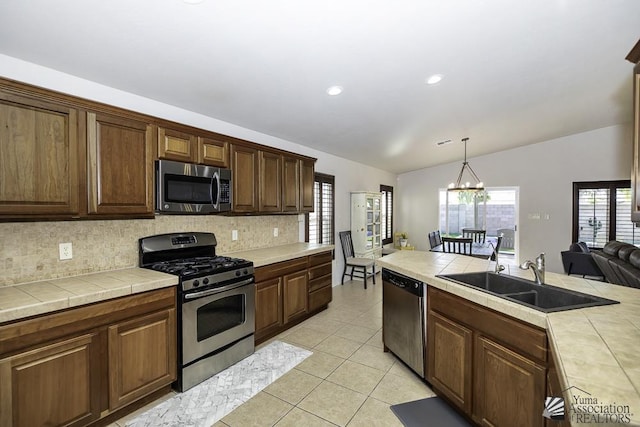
466, 186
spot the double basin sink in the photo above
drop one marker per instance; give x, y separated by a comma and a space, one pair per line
546, 298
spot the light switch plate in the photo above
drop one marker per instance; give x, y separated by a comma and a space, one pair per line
234, 234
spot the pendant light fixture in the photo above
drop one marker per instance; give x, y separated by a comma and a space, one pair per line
466, 186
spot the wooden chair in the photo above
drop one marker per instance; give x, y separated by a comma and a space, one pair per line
478, 235
359, 266
508, 236
457, 245
434, 239
497, 249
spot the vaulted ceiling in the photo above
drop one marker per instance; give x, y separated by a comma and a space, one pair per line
514, 72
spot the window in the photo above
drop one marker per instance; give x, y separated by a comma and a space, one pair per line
602, 212
387, 213
320, 222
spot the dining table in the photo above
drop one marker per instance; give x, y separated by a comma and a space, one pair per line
478, 250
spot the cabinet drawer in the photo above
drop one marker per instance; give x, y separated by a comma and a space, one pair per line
280, 269
526, 339
320, 298
320, 282
320, 271
322, 258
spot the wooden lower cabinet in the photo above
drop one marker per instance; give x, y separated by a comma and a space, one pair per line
509, 389
450, 361
74, 367
268, 307
142, 356
295, 295
490, 366
56, 384
290, 291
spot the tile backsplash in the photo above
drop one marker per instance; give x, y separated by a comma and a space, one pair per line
29, 250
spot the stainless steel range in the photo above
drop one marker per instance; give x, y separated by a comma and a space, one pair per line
216, 302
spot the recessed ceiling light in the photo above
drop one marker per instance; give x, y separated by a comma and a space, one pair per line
334, 90
193, 1
434, 79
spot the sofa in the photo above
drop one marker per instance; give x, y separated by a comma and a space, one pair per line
578, 260
620, 263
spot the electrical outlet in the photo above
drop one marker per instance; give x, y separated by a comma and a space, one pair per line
234, 234
275, 232
65, 251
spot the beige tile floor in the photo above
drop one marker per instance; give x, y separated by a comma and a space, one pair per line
347, 381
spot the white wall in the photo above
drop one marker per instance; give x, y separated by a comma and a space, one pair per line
544, 172
349, 175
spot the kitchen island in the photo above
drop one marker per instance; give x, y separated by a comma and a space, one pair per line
595, 349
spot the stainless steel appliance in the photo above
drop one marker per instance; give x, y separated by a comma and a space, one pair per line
188, 188
404, 319
216, 302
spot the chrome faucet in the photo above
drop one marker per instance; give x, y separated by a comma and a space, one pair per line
499, 267
537, 267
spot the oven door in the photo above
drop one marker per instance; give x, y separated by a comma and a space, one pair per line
212, 319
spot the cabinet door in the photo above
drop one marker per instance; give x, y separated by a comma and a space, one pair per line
39, 158
213, 152
142, 356
295, 295
307, 183
175, 145
53, 385
120, 166
449, 349
270, 199
509, 389
268, 307
244, 166
290, 184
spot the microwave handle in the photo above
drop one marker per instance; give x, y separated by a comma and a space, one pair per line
215, 190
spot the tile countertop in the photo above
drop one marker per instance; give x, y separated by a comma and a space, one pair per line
30, 299
597, 349
265, 256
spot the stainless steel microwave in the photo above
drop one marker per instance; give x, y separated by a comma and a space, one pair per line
186, 188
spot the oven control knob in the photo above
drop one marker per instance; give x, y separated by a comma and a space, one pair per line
205, 281
238, 272
196, 283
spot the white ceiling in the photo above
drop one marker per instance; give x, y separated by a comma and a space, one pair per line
515, 72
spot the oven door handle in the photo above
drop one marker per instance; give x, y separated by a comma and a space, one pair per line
218, 290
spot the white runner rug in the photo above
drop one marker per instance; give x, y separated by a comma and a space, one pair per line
211, 400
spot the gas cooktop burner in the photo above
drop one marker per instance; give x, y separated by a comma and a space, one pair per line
199, 265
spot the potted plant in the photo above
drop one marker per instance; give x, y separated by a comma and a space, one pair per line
403, 239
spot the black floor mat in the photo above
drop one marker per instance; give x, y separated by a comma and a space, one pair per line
429, 412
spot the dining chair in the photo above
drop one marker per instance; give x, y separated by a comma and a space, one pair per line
359, 266
457, 245
478, 235
438, 237
432, 239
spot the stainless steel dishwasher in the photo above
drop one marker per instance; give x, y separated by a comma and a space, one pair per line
404, 319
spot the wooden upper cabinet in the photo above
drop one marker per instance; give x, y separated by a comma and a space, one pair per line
120, 166
40, 159
270, 198
244, 167
290, 184
176, 145
307, 182
213, 152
